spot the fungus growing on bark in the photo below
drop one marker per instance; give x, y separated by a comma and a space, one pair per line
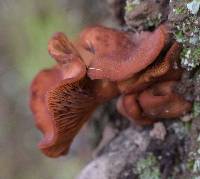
53, 103
129, 107
62, 98
145, 107
99, 66
163, 70
160, 101
119, 55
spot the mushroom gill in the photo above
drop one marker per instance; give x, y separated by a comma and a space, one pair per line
62, 98
69, 105
60, 108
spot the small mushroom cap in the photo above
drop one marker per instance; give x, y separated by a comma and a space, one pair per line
161, 101
128, 106
118, 55
64, 52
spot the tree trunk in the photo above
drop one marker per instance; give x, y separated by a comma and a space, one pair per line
169, 149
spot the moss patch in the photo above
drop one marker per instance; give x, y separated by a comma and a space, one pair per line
148, 168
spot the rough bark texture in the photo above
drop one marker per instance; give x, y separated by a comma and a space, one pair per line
170, 149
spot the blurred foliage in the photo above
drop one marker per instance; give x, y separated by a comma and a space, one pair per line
25, 27
31, 24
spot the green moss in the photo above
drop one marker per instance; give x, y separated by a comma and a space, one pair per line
180, 129
147, 168
196, 166
130, 5
180, 10
179, 36
190, 165
153, 21
196, 109
196, 54
190, 57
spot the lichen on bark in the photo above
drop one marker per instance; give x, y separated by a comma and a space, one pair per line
184, 16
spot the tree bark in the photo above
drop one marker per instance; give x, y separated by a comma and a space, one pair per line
169, 149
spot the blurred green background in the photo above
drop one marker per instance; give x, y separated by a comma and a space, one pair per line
25, 27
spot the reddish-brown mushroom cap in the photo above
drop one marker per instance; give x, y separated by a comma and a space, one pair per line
45, 80
161, 101
129, 107
62, 98
119, 55
62, 106
163, 71
64, 52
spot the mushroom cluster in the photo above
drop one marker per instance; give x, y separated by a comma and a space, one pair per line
141, 69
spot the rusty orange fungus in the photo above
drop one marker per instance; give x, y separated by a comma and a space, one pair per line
142, 69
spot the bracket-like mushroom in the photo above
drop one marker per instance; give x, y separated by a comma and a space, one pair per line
158, 101
61, 108
62, 98
161, 101
119, 55
99, 66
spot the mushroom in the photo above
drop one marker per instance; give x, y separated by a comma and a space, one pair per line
102, 64
145, 107
117, 55
161, 101
62, 98
129, 107
162, 71
62, 106
69, 105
